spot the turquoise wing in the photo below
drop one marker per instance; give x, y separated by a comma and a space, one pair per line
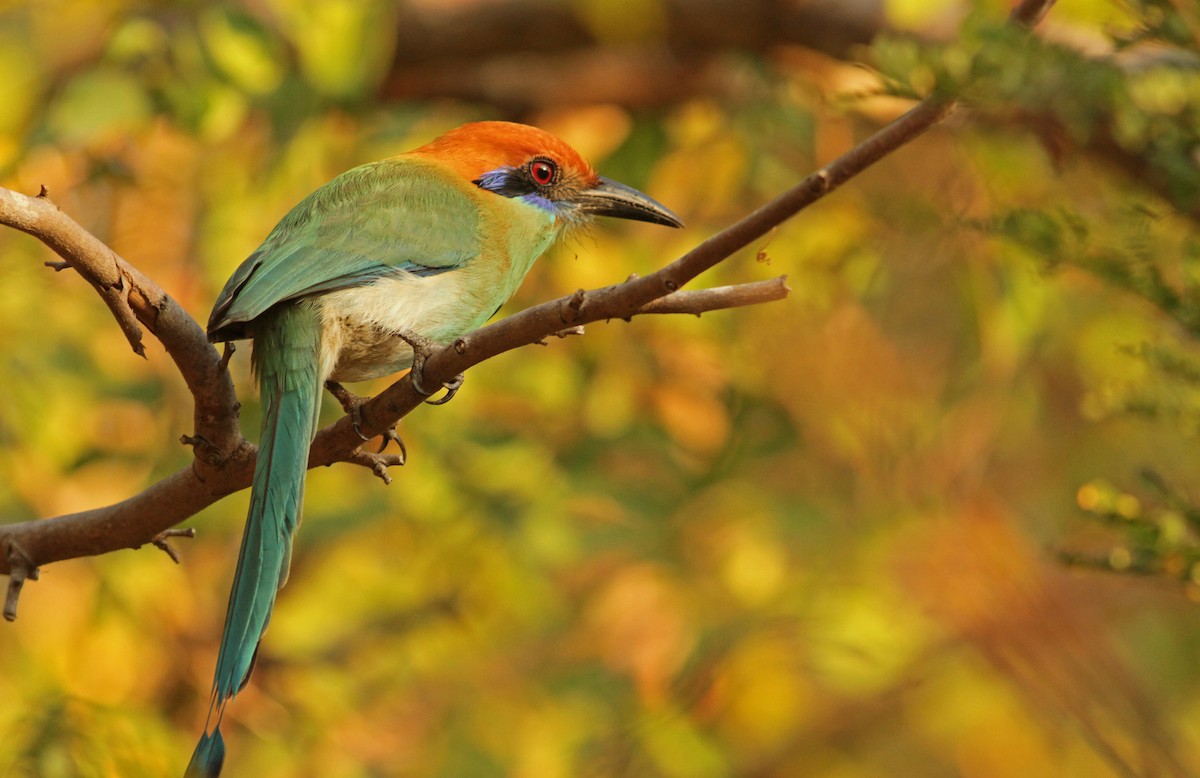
385, 218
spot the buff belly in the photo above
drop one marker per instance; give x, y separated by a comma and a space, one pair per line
361, 327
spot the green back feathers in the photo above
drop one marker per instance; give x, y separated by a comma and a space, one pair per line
394, 216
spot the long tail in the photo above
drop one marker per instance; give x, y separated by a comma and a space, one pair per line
286, 354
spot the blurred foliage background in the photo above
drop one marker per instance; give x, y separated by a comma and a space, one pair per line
875, 529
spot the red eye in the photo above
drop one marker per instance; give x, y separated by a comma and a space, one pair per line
542, 171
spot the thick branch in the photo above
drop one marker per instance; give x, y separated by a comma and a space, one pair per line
133, 298
130, 523
139, 519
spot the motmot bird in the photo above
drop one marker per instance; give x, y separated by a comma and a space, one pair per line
406, 253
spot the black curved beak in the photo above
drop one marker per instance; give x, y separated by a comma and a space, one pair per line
611, 198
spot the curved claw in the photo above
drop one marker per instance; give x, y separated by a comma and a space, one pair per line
390, 435
452, 386
422, 348
351, 403
357, 417
415, 378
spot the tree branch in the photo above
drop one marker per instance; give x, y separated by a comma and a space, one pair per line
223, 467
134, 298
224, 460
698, 301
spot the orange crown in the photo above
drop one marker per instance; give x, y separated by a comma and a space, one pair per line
477, 148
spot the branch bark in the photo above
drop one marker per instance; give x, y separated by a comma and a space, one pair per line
224, 460
135, 299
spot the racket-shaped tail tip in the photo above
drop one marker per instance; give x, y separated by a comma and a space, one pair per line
208, 757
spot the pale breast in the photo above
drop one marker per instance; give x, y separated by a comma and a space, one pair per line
361, 324
368, 352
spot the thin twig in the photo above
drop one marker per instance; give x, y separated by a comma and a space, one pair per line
162, 540
377, 462
698, 301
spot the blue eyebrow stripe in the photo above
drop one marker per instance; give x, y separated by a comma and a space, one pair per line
506, 182
501, 182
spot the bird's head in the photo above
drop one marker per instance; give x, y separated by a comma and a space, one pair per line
516, 160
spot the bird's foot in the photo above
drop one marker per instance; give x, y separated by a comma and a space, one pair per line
352, 404
423, 348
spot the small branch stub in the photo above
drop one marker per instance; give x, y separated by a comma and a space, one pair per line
378, 463
126, 319
821, 181
573, 304
162, 540
21, 568
226, 355
193, 440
